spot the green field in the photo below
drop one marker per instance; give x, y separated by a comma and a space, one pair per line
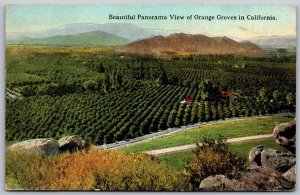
179, 160
229, 129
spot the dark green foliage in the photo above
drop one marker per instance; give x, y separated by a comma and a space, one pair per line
209, 91
107, 98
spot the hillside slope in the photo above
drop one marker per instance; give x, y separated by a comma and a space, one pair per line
89, 38
127, 30
191, 44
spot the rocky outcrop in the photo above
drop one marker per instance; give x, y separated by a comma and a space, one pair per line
41, 146
279, 161
49, 146
263, 179
271, 159
255, 156
285, 135
259, 179
269, 170
72, 144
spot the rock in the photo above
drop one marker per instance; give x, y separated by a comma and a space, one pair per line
279, 161
217, 183
263, 179
72, 144
255, 155
290, 175
270, 158
285, 135
41, 146
259, 179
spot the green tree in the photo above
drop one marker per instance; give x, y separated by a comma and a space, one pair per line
209, 91
90, 85
290, 98
162, 78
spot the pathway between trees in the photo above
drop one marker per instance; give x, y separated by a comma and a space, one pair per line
191, 146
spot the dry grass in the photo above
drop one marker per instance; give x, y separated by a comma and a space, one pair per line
96, 169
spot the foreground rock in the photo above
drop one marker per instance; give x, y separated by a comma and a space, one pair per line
285, 135
72, 144
290, 175
279, 161
259, 179
271, 159
48, 146
217, 183
263, 179
270, 170
255, 155
41, 146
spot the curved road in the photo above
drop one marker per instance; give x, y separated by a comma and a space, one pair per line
191, 146
170, 131
167, 132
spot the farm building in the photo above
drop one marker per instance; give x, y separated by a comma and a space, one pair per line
187, 100
228, 94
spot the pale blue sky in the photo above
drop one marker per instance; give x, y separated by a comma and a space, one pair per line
33, 18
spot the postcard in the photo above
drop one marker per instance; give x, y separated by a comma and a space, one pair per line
150, 97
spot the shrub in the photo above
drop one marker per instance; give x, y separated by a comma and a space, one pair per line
212, 157
95, 169
29, 170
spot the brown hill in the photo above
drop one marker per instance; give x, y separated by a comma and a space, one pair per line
190, 44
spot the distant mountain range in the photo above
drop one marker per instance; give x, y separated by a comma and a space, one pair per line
125, 30
88, 38
191, 44
120, 34
275, 41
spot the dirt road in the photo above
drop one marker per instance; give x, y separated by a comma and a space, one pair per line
191, 146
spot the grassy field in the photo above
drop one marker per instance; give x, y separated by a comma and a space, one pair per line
229, 129
179, 160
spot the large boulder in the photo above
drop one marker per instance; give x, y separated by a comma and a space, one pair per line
255, 155
290, 175
279, 161
285, 135
217, 183
41, 146
271, 159
72, 144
